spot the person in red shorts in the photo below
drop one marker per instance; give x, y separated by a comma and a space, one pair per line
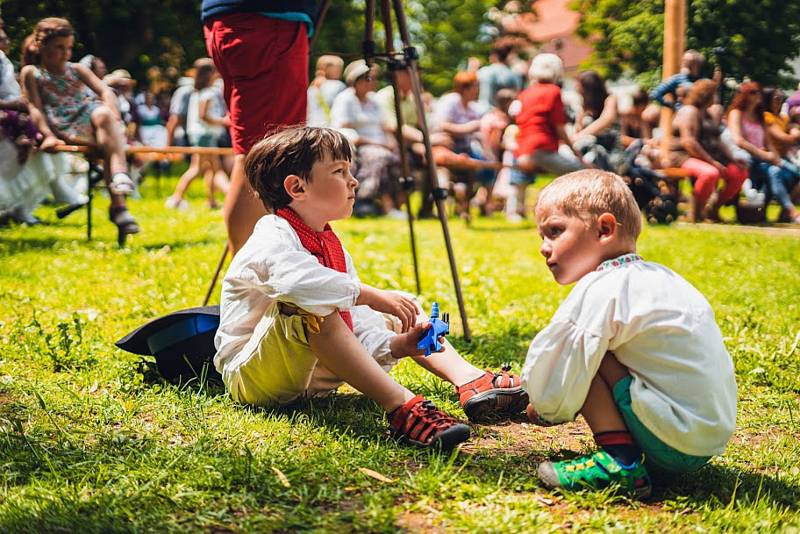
260, 48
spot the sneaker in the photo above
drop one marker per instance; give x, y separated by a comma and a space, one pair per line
397, 215
176, 204
493, 396
598, 470
421, 423
121, 184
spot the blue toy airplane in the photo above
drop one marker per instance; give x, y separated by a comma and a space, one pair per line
439, 328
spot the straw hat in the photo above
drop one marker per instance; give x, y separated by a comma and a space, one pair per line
119, 78
354, 70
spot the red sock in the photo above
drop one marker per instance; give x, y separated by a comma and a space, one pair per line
619, 444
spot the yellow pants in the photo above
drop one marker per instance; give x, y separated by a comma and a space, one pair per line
283, 367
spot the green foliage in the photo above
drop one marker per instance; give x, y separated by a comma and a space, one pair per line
447, 32
90, 443
131, 35
759, 38
168, 33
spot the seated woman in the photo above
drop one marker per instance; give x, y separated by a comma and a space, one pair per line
784, 134
768, 171
356, 110
65, 110
701, 151
597, 130
458, 115
633, 125
150, 129
539, 114
27, 175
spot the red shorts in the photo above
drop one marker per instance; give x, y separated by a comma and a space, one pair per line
264, 63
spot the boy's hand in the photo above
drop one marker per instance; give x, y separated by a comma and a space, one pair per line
406, 344
387, 302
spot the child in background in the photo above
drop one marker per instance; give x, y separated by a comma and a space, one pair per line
206, 122
296, 321
493, 124
634, 348
327, 83
65, 110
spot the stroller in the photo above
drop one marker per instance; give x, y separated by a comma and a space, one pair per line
650, 188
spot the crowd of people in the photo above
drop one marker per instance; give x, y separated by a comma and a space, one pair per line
51, 101
493, 114
502, 123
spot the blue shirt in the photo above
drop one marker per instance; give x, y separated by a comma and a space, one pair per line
298, 10
670, 87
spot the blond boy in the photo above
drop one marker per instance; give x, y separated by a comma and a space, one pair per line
634, 348
296, 321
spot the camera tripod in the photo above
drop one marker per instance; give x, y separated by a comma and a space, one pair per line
396, 61
408, 59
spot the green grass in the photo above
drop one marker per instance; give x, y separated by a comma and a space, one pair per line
91, 441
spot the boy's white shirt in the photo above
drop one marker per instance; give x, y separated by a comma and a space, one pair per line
273, 266
664, 331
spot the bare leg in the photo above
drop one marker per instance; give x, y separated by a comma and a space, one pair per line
110, 139
450, 366
242, 208
221, 181
599, 410
338, 350
187, 178
209, 172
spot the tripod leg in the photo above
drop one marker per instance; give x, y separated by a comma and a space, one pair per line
216, 275
416, 85
404, 165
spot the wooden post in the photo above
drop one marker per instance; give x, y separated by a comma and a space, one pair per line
674, 43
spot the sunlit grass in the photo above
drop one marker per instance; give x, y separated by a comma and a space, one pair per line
89, 441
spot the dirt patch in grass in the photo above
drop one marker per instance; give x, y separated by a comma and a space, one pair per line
526, 438
410, 521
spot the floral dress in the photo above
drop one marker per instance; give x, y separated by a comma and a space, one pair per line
68, 103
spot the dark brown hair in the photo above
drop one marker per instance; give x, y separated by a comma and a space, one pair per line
593, 91
44, 30
291, 151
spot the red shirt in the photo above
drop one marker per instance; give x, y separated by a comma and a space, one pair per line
542, 110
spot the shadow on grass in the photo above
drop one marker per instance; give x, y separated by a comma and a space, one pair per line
715, 483
521, 228
184, 243
23, 244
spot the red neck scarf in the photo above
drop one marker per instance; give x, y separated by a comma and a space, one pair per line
324, 245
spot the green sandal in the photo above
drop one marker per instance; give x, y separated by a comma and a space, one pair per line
597, 470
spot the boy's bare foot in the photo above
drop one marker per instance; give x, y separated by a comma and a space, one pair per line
493, 396
421, 423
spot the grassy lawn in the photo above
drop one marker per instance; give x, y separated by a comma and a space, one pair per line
91, 441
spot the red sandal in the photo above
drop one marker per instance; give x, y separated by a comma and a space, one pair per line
419, 422
493, 396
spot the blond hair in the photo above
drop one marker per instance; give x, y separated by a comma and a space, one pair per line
589, 193
324, 63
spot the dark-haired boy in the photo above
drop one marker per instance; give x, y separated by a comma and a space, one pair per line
296, 320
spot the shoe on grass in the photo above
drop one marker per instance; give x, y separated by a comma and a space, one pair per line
493, 396
121, 184
596, 471
175, 204
419, 422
